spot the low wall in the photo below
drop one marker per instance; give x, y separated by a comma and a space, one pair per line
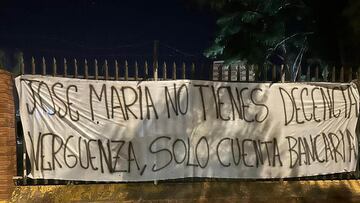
220, 191
7, 135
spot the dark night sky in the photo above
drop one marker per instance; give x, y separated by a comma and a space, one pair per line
94, 27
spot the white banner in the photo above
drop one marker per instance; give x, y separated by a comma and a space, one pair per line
77, 129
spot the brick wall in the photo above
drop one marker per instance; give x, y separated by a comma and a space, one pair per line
7, 135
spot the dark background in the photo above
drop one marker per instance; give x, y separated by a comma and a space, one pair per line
111, 28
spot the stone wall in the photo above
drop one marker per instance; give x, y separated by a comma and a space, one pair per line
184, 192
7, 135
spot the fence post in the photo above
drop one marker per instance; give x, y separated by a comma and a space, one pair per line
7, 136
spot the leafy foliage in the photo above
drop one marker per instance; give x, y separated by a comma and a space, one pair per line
285, 31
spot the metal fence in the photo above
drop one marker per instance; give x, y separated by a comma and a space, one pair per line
139, 71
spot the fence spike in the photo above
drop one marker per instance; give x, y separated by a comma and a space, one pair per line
126, 78
33, 66
220, 73
65, 68
54, 67
229, 73
116, 70
96, 69
350, 74
75, 68
22, 66
86, 69
282, 72
43, 66
136, 71
106, 70
183, 70
155, 69
164, 71
238, 69
333, 74
308, 73
174, 71
192, 70
273, 73
146, 71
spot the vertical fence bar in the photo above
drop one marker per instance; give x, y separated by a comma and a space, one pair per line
116, 70
24, 163
350, 74
247, 73
298, 74
220, 73
86, 69
174, 71
238, 73
333, 76
126, 71
193, 70
342, 74
65, 68
146, 71
96, 69
273, 73
229, 73
43, 64
265, 67
136, 71
54, 67
164, 71
308, 76
75, 69
317, 73
155, 71
183, 70
106, 70
22, 66
33, 72
282, 72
